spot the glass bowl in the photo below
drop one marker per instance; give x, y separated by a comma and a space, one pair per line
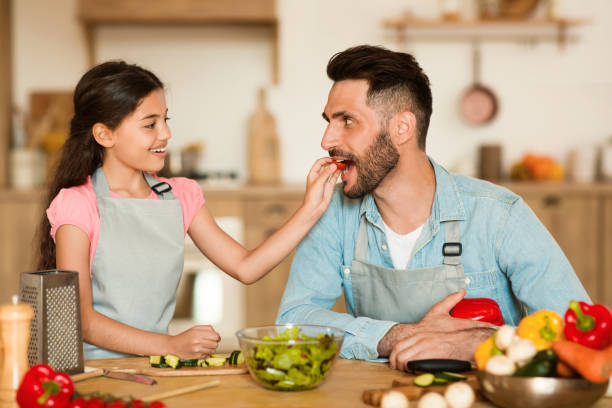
290, 357
539, 392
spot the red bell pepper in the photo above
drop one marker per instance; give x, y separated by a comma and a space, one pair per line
589, 325
43, 387
481, 309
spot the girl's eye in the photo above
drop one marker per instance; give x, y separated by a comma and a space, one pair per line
150, 125
166, 119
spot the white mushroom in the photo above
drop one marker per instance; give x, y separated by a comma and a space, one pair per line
432, 400
500, 365
504, 336
394, 399
521, 350
459, 395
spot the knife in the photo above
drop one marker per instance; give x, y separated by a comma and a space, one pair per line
129, 377
439, 364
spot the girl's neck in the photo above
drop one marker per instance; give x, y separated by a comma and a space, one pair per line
126, 182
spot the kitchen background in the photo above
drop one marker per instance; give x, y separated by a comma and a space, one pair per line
552, 83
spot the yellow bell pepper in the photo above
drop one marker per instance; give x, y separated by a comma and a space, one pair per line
485, 351
542, 328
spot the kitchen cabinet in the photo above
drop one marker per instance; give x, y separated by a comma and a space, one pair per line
606, 249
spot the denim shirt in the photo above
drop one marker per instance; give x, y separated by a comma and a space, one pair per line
508, 256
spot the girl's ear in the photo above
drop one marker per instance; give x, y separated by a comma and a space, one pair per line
103, 135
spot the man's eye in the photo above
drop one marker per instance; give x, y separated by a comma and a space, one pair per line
348, 121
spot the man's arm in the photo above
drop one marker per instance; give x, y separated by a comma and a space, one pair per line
315, 283
540, 275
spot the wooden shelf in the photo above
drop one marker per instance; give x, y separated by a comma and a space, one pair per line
93, 13
534, 29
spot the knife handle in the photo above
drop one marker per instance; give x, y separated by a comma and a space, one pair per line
434, 365
84, 376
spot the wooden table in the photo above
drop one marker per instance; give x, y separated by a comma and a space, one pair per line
343, 388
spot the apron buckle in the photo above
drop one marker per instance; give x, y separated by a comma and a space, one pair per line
161, 188
452, 249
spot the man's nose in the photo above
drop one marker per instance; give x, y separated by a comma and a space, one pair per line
330, 138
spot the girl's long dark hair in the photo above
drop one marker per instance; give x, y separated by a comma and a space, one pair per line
106, 94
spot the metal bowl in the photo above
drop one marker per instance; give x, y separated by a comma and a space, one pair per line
539, 392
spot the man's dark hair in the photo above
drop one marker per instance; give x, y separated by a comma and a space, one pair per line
397, 82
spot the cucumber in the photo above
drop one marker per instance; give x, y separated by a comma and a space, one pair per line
156, 360
451, 377
439, 381
537, 369
215, 361
193, 362
424, 380
172, 360
202, 363
236, 358
217, 356
163, 365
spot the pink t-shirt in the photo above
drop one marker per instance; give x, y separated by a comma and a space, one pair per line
78, 206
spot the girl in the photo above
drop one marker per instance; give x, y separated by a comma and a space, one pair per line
123, 229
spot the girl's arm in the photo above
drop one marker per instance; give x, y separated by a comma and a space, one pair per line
250, 266
72, 253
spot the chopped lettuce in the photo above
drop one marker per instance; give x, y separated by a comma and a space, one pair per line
294, 366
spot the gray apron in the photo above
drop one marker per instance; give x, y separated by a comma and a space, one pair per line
404, 295
138, 261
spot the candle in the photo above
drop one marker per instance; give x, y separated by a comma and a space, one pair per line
15, 320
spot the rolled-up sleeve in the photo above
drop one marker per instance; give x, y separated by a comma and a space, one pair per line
315, 284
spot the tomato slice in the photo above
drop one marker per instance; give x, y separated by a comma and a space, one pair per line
339, 165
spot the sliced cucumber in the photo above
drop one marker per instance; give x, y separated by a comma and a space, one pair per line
193, 362
236, 358
156, 360
172, 360
424, 380
448, 376
215, 361
439, 381
202, 363
163, 365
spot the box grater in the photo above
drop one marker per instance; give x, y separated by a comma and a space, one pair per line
56, 338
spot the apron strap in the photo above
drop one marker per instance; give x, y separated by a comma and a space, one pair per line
361, 245
162, 189
100, 185
452, 246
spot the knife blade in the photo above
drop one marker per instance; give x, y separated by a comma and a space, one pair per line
129, 377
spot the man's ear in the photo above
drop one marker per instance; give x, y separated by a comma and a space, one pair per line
103, 135
404, 127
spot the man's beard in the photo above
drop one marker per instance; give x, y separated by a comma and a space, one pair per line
380, 158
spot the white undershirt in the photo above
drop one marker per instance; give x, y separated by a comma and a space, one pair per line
401, 245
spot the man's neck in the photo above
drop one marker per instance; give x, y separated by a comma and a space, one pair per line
405, 197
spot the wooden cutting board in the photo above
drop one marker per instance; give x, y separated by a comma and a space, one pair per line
413, 392
140, 365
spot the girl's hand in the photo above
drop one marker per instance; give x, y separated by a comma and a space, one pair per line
197, 342
320, 186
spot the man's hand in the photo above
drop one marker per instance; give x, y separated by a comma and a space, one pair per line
459, 345
416, 341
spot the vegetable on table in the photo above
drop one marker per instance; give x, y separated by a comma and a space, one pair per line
394, 399
589, 325
43, 387
432, 400
543, 327
544, 364
485, 351
459, 395
594, 365
480, 309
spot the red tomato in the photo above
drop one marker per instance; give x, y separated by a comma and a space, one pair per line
157, 404
95, 403
117, 403
78, 403
137, 404
339, 165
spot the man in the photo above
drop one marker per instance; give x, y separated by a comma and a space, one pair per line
406, 239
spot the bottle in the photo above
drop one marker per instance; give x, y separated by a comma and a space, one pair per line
264, 145
15, 321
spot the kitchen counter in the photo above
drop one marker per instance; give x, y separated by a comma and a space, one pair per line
343, 388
